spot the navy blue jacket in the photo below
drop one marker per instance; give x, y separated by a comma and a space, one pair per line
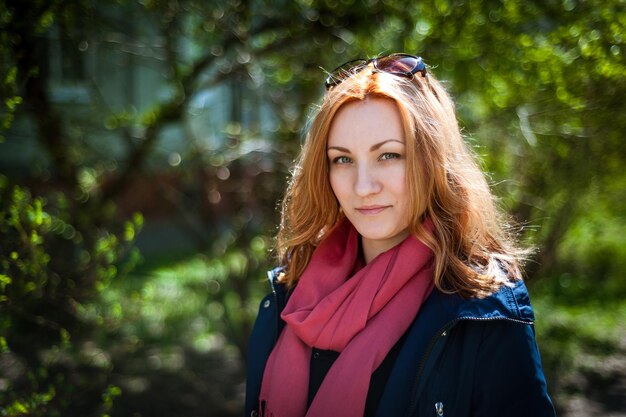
461, 357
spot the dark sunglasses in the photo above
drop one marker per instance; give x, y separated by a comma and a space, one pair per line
402, 65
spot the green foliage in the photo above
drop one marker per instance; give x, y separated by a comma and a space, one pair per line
32, 406
108, 396
11, 78
24, 259
580, 343
49, 273
194, 299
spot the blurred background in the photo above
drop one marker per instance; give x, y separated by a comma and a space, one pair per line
145, 145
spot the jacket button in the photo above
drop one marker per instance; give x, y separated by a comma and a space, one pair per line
254, 413
266, 304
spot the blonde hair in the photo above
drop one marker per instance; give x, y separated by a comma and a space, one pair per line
473, 253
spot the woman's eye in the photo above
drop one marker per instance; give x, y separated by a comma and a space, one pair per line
389, 155
341, 160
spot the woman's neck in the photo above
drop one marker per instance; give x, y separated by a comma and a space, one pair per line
371, 248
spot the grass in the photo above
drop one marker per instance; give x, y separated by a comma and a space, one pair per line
169, 335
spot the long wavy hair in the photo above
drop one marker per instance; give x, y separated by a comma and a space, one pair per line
474, 253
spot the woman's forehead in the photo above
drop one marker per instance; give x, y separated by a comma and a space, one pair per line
365, 121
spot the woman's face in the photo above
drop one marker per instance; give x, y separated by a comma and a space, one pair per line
367, 156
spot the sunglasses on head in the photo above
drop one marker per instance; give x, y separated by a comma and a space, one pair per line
402, 65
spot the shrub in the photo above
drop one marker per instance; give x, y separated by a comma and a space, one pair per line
53, 263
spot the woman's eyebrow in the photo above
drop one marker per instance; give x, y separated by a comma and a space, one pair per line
373, 148
378, 145
338, 148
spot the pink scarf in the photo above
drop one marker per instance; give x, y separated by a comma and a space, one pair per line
337, 306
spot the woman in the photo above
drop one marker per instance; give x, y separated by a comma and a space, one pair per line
400, 292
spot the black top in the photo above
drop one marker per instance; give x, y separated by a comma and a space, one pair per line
322, 360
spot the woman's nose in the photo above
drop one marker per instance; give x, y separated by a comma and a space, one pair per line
367, 182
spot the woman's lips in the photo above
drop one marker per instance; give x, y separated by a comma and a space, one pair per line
371, 210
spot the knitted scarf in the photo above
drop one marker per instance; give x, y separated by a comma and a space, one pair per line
358, 311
